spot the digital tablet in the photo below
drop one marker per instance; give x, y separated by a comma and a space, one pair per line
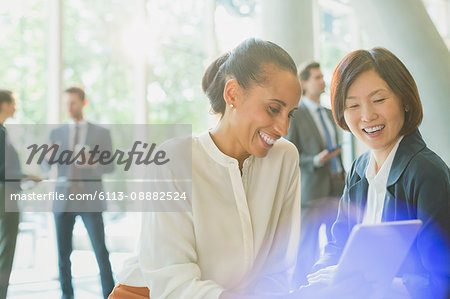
377, 251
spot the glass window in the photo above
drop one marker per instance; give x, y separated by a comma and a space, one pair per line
338, 35
176, 60
95, 56
23, 35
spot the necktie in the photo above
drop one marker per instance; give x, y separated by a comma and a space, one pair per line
334, 161
74, 171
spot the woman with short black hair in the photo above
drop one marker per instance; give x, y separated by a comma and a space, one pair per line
375, 98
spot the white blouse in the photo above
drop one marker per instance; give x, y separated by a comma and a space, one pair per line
242, 233
376, 192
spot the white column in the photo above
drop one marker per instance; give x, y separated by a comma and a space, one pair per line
212, 49
53, 103
211, 45
289, 23
140, 66
55, 62
405, 28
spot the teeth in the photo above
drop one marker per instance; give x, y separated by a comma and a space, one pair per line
374, 129
267, 138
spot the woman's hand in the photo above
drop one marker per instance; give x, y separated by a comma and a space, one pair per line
354, 287
397, 290
324, 275
231, 295
319, 286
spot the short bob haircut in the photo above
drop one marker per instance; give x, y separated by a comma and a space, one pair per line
391, 70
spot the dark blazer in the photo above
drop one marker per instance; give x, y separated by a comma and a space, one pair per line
316, 181
10, 171
91, 178
418, 187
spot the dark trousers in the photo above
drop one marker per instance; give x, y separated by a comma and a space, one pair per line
93, 221
9, 227
316, 213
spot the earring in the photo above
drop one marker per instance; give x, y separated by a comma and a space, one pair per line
231, 105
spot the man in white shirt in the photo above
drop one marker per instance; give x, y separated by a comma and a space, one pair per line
315, 135
80, 180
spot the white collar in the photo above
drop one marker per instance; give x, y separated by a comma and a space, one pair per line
82, 122
211, 148
385, 168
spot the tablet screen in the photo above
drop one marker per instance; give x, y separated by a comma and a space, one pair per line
377, 251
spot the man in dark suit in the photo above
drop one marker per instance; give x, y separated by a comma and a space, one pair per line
10, 177
9, 221
315, 135
80, 179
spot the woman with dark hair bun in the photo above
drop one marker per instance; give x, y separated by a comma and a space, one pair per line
240, 238
375, 98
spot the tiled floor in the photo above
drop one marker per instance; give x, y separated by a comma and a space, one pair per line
35, 269
31, 283
85, 288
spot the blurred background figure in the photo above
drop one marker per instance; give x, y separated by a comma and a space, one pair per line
9, 221
81, 180
316, 137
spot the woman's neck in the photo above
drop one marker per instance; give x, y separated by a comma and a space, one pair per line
379, 161
382, 154
226, 141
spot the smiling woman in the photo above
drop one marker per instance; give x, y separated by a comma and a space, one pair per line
375, 97
241, 236
256, 114
374, 114
238, 237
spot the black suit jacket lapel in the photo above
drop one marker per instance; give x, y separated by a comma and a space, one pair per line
314, 131
358, 188
394, 207
330, 117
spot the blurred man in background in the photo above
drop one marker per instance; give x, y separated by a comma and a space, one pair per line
80, 179
315, 134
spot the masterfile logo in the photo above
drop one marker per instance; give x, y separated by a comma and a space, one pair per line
135, 168
83, 155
